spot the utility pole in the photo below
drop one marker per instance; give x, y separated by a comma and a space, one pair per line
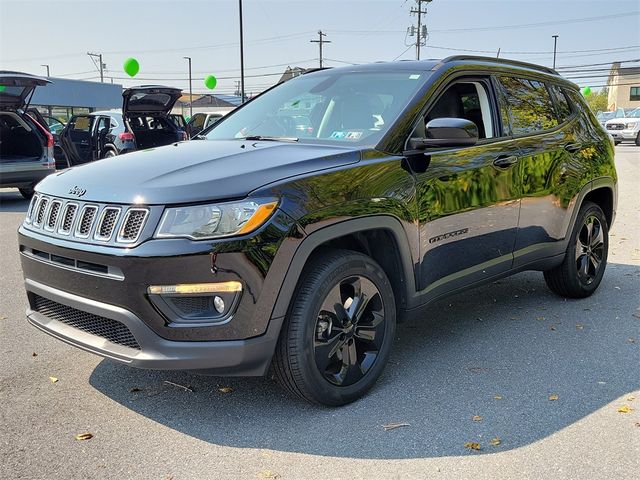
320, 42
190, 89
241, 54
421, 32
99, 56
47, 67
555, 45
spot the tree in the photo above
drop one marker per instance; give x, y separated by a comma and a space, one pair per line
598, 101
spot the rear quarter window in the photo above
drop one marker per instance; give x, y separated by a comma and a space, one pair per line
563, 108
526, 105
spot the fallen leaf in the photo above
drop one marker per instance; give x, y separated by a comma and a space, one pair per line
552, 328
476, 418
637, 424
553, 397
617, 288
579, 326
514, 318
631, 398
495, 442
2, 317
34, 354
393, 426
225, 390
472, 446
497, 397
631, 340
625, 409
135, 389
84, 436
53, 379
540, 318
268, 474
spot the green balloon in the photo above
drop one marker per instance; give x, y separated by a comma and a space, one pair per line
2, 88
131, 67
210, 82
586, 91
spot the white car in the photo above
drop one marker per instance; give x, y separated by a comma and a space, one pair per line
626, 128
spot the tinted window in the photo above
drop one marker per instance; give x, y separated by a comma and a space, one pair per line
562, 104
82, 124
197, 121
526, 106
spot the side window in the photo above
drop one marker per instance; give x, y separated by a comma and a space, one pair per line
103, 124
563, 109
81, 124
526, 106
464, 99
197, 121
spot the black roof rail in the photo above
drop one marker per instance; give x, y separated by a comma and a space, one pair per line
507, 61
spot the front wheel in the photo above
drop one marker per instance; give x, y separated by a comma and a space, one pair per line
586, 257
109, 154
339, 330
27, 192
638, 140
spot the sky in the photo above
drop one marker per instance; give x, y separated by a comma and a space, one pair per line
277, 34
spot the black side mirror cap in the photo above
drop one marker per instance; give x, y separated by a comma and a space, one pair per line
447, 132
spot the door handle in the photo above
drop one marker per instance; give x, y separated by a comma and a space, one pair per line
572, 147
505, 161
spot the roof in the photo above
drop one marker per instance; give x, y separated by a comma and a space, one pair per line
290, 73
211, 101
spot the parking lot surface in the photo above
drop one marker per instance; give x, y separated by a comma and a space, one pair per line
539, 382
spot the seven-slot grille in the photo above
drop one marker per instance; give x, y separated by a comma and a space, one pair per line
74, 219
615, 126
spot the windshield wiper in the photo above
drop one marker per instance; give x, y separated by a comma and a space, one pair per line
270, 138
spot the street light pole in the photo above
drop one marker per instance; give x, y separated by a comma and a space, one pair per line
190, 89
241, 54
47, 67
555, 45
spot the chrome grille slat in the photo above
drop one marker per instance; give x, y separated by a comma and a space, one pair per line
91, 222
107, 223
85, 221
132, 225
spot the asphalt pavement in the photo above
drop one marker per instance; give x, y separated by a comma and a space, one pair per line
540, 383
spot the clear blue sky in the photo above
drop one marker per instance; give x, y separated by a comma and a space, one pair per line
160, 32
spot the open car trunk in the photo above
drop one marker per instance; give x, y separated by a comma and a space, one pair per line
19, 141
153, 132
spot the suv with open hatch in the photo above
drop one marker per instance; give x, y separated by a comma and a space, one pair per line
265, 245
144, 122
26, 146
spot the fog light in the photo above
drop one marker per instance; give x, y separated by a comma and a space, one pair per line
218, 303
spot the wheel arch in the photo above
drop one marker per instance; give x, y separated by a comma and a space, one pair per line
375, 236
602, 194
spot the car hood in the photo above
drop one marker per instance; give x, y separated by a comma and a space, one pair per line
194, 171
623, 120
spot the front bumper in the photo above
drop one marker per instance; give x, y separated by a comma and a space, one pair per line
624, 135
240, 357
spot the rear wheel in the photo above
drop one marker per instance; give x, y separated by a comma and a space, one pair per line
26, 192
338, 334
109, 154
586, 258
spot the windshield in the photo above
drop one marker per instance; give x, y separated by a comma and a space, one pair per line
634, 113
349, 107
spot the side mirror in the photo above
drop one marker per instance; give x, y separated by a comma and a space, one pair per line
447, 132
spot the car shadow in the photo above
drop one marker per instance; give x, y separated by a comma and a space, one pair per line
501, 352
12, 201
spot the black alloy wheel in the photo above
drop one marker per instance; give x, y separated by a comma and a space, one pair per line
349, 331
589, 250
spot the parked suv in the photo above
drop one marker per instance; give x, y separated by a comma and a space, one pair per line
626, 128
26, 146
143, 123
266, 245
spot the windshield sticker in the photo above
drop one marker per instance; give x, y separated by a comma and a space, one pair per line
354, 135
338, 135
414, 77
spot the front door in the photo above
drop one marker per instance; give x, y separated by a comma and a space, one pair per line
77, 141
103, 125
468, 198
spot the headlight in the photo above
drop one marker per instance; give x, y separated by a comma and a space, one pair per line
631, 125
200, 222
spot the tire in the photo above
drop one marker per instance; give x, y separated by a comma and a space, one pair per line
320, 337
109, 154
638, 140
27, 192
589, 242
617, 142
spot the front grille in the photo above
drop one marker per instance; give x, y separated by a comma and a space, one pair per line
90, 222
86, 221
106, 328
107, 223
615, 126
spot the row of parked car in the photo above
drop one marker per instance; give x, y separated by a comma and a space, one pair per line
623, 125
33, 145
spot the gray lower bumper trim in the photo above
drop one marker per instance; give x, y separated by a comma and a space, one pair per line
249, 357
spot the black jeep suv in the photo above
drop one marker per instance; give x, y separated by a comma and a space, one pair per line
272, 246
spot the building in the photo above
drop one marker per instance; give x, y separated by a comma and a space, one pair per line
203, 104
290, 73
624, 87
63, 98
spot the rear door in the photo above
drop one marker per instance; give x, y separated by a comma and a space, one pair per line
77, 139
149, 100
